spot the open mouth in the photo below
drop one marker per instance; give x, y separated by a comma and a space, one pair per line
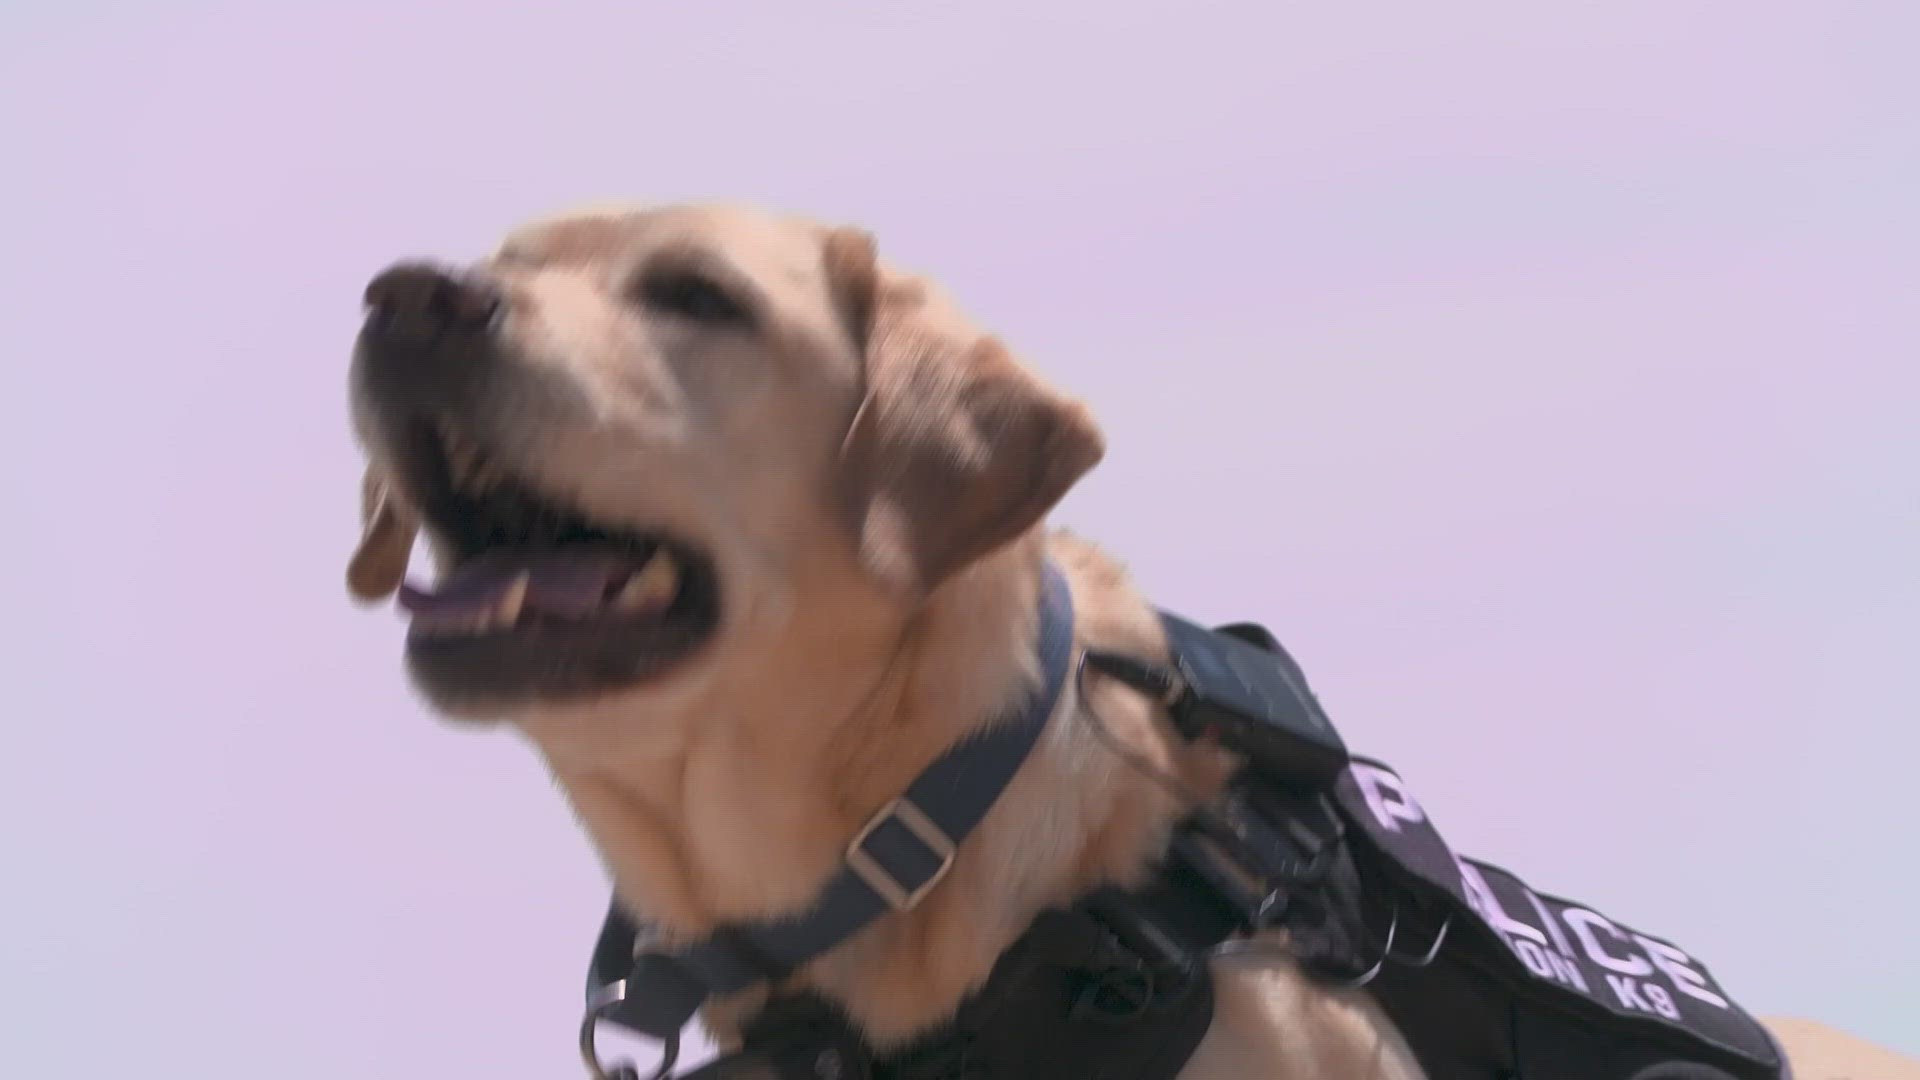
540, 599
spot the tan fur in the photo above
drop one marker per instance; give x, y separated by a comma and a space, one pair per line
1820, 1052
870, 473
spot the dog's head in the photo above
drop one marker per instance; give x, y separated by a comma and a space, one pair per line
641, 444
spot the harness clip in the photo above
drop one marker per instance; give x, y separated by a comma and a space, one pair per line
599, 1003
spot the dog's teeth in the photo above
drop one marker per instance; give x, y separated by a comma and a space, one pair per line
650, 589
508, 612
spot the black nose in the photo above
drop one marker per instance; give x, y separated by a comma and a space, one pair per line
422, 301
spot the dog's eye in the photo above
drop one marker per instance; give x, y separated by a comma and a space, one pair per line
692, 296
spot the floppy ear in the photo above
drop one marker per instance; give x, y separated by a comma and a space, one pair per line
386, 541
956, 448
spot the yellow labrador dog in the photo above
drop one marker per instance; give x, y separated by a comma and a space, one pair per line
743, 527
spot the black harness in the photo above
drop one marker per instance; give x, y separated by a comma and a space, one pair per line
1487, 979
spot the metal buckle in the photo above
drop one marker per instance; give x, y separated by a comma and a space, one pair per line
603, 999
876, 876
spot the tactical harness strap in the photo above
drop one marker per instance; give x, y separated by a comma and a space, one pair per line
1486, 979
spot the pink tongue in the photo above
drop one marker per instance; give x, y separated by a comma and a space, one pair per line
570, 586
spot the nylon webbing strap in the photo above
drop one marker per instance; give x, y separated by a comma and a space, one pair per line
1545, 949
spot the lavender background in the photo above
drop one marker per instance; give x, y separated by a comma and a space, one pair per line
1544, 373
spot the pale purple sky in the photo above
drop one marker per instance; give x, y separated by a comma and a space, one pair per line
1544, 374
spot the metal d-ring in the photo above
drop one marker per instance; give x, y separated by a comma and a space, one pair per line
1433, 951
1387, 953
1246, 948
1386, 950
597, 1006
1255, 947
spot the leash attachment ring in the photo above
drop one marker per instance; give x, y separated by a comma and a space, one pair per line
598, 1005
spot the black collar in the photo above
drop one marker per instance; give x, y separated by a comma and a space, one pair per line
890, 865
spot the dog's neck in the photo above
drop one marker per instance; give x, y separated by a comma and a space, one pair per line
740, 804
